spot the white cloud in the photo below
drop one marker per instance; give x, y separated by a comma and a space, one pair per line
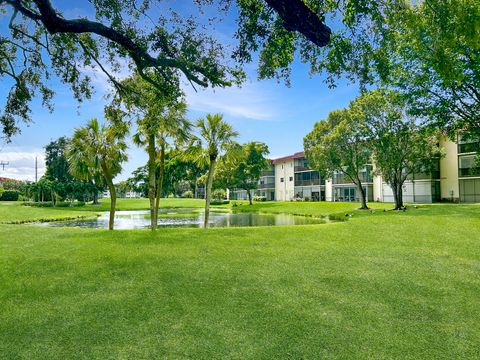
21, 163
251, 101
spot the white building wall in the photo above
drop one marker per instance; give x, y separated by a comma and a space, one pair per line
284, 190
418, 191
328, 190
378, 188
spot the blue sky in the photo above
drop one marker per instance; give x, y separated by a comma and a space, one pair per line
265, 111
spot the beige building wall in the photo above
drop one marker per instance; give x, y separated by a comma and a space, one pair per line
449, 171
328, 190
284, 190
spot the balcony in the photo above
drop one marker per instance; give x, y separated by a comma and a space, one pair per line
301, 168
474, 171
267, 173
307, 182
266, 186
468, 147
340, 179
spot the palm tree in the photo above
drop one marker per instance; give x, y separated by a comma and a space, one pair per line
96, 153
216, 136
156, 131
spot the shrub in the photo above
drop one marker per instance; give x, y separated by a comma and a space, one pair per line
219, 202
306, 198
219, 194
259, 198
10, 195
58, 204
188, 194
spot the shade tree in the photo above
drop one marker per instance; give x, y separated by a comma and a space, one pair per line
401, 146
242, 167
339, 144
216, 136
97, 151
40, 40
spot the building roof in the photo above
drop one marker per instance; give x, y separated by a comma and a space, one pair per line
297, 155
5, 179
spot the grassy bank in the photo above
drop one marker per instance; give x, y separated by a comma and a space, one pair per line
400, 285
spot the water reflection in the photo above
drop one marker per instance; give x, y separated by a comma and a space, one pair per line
140, 219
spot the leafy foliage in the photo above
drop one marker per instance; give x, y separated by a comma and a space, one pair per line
401, 147
39, 43
242, 169
97, 152
216, 137
340, 144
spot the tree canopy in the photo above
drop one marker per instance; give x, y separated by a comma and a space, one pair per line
39, 41
339, 144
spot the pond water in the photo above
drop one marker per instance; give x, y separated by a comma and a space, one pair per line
140, 219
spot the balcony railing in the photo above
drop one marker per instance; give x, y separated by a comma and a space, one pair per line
267, 173
301, 168
468, 147
340, 179
307, 182
475, 171
266, 186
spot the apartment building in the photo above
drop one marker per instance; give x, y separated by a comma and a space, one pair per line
265, 187
455, 178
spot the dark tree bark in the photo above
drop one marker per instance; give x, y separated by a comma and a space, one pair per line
54, 24
297, 16
249, 197
363, 196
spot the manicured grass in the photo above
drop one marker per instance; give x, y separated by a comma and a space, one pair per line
383, 285
14, 212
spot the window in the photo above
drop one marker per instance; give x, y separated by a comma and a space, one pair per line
291, 178
282, 179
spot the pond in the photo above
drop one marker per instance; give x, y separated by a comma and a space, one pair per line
140, 219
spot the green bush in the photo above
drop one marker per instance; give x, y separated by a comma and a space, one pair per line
10, 195
58, 204
188, 194
219, 202
219, 194
259, 198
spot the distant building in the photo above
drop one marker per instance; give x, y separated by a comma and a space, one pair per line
455, 178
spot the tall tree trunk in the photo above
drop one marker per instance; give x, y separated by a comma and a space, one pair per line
399, 199
151, 180
363, 196
95, 197
113, 204
160, 181
208, 189
249, 197
113, 194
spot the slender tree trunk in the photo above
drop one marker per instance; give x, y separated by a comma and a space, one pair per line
363, 196
151, 180
249, 197
113, 194
95, 197
113, 204
208, 189
160, 181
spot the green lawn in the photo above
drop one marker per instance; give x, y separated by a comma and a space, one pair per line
383, 285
